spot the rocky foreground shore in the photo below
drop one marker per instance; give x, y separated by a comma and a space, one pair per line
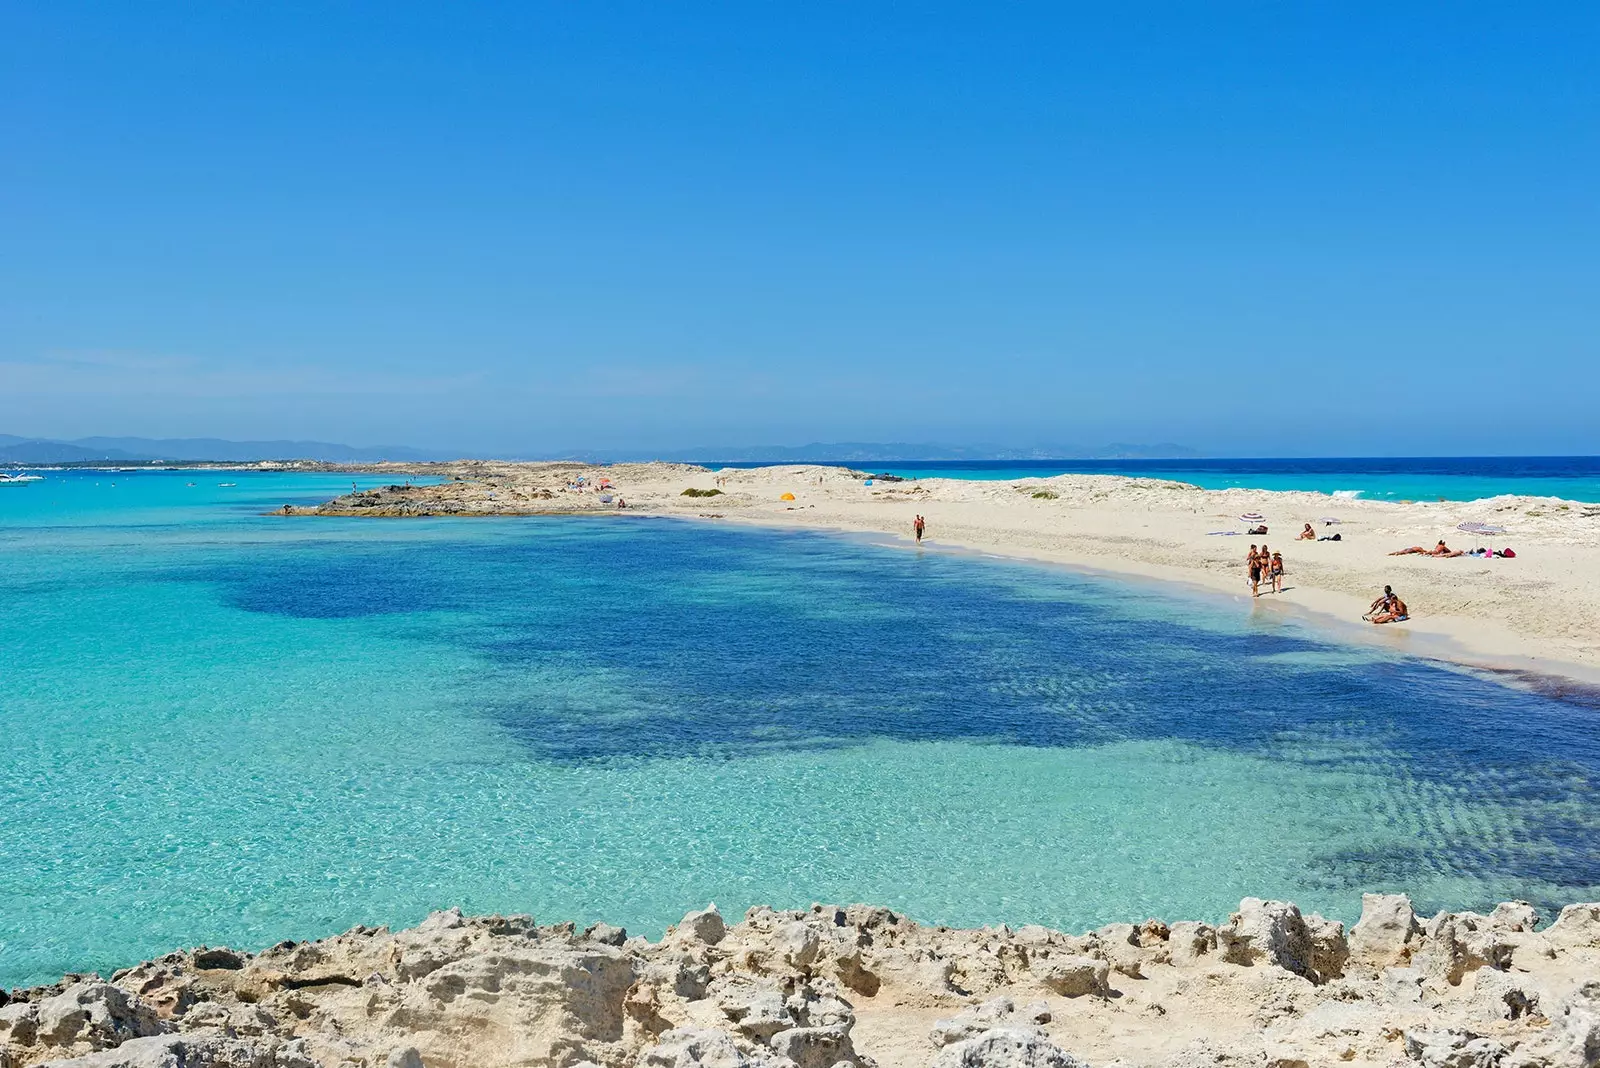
855, 986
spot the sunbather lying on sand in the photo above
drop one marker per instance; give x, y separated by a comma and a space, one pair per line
1438, 550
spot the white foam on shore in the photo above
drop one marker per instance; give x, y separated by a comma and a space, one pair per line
1349, 495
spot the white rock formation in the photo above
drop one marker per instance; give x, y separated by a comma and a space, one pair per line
855, 987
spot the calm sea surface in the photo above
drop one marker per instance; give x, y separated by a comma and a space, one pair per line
223, 727
1465, 478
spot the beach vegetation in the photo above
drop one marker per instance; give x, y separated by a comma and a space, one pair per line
692, 492
1045, 495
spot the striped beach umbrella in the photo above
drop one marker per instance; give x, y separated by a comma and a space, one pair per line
1252, 517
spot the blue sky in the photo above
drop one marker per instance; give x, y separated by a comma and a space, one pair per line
1253, 229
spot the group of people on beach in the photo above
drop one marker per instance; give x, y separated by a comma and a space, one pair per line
1388, 609
1440, 549
1264, 565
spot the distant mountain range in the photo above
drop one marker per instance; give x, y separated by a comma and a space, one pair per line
17, 450
877, 452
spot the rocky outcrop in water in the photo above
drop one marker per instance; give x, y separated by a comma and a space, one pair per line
853, 987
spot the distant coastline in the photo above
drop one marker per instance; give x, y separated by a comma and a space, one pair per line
1399, 479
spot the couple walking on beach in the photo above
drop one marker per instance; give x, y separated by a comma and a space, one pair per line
918, 526
1264, 564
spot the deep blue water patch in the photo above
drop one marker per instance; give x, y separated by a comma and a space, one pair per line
668, 640
226, 726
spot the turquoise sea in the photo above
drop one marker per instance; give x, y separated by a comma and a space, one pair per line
1427, 478
218, 726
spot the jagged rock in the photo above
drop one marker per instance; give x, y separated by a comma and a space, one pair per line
219, 958
759, 1011
1120, 944
1403, 986
1453, 1049
1577, 927
606, 934
1455, 943
819, 1006
704, 926
19, 1024
1388, 931
973, 1021
94, 1015
1274, 932
1189, 942
815, 1047
1573, 1037
798, 944
499, 991
1075, 976
849, 968
1515, 916
190, 1051
1005, 1047
1330, 949
694, 1048
1504, 996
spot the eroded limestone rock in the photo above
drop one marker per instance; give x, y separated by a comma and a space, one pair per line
816, 988
1005, 1047
1275, 933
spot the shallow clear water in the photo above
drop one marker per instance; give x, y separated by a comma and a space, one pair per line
225, 727
1462, 478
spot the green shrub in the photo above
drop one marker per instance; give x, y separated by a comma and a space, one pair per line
692, 492
1045, 495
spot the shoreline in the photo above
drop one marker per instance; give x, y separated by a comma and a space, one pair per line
859, 986
1567, 678
1538, 614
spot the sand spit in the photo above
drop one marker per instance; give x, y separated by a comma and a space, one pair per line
855, 986
1539, 612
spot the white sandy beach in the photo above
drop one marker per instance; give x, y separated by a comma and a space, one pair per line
1539, 612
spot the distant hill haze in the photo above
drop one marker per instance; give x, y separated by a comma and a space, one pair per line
18, 450
878, 452
133, 450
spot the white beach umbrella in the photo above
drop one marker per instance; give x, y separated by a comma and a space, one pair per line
1252, 517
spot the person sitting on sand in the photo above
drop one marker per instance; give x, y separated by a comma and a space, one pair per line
1383, 600
1307, 534
1394, 610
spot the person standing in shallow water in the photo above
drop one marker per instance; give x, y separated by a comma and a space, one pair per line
918, 525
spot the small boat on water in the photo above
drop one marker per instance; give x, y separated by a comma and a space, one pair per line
18, 479
225, 485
